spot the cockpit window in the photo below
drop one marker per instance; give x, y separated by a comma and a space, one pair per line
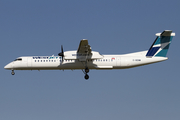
18, 59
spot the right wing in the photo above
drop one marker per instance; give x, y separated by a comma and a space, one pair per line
83, 53
84, 47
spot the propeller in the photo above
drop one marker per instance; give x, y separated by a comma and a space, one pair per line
61, 53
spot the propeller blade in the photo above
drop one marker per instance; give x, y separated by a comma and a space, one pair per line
62, 53
62, 49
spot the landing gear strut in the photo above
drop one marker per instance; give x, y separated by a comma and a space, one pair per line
12, 73
86, 69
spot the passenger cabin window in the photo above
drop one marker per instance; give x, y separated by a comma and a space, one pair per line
18, 59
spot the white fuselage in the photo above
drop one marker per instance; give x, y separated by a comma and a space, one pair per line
84, 58
106, 62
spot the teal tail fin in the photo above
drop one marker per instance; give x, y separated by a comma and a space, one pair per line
161, 44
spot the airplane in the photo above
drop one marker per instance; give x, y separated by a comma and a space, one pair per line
85, 59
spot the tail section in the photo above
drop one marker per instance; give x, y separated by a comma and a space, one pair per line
161, 44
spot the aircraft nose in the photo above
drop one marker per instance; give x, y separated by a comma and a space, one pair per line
8, 66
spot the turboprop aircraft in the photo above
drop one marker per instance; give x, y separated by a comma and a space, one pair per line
84, 58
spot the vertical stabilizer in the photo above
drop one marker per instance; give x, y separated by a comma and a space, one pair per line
161, 44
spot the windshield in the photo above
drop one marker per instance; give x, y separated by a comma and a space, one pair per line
18, 59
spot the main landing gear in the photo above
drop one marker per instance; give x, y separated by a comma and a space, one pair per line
86, 70
12, 73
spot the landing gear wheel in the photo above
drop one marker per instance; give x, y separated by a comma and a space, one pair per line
12, 73
86, 69
86, 76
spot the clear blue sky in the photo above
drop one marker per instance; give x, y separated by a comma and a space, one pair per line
39, 27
